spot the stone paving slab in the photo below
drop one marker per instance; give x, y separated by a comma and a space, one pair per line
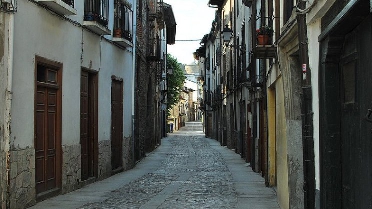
186, 171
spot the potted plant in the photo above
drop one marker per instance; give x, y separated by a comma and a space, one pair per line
264, 35
117, 33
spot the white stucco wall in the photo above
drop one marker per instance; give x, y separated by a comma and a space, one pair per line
313, 19
38, 32
313, 33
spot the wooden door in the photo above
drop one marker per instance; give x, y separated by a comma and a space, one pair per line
88, 125
243, 130
47, 131
249, 136
116, 124
356, 123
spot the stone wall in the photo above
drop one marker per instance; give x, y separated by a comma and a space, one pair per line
71, 168
104, 159
22, 178
128, 161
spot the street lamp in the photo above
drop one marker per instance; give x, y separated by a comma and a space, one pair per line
170, 71
226, 34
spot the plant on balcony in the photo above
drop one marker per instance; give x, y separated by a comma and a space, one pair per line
264, 35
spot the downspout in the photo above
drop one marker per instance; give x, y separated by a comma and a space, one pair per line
134, 31
306, 108
8, 101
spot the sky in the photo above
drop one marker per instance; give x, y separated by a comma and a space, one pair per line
194, 20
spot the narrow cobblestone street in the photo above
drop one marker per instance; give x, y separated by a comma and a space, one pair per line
186, 171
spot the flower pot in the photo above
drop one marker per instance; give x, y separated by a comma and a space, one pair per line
263, 39
117, 33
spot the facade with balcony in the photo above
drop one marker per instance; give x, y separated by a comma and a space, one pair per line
249, 77
74, 72
255, 105
68, 81
156, 28
292, 103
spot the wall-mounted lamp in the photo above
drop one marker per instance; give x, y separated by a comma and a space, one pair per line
170, 71
227, 33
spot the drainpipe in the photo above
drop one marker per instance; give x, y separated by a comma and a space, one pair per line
8, 99
306, 109
134, 31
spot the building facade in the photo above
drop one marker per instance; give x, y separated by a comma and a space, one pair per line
68, 89
294, 106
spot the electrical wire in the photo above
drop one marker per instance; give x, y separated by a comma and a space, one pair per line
190, 40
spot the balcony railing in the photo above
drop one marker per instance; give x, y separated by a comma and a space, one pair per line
255, 81
123, 21
153, 49
96, 10
69, 2
154, 9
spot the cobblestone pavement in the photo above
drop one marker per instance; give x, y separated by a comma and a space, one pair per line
193, 172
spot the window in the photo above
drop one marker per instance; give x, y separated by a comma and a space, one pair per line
46, 75
96, 10
288, 7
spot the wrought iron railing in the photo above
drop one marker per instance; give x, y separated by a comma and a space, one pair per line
123, 21
257, 80
96, 10
153, 49
154, 8
69, 2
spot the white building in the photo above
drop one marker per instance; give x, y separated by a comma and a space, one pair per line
68, 80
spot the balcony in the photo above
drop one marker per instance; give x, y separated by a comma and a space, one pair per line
63, 7
96, 16
154, 9
123, 40
154, 49
247, 3
123, 21
254, 81
264, 48
264, 51
215, 3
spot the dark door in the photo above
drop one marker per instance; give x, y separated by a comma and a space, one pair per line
47, 129
356, 103
243, 130
88, 124
116, 124
249, 135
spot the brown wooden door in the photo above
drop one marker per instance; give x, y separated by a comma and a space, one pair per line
88, 124
116, 124
47, 129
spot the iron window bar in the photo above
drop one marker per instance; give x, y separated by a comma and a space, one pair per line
96, 10
69, 2
123, 20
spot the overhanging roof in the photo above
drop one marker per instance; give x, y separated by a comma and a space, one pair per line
216, 2
170, 23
